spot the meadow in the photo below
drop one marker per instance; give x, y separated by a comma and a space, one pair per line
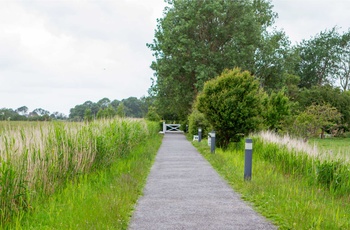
41, 160
296, 185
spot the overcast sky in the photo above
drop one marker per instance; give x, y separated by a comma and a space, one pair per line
57, 54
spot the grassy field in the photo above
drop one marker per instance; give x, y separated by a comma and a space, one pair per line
41, 160
292, 188
335, 146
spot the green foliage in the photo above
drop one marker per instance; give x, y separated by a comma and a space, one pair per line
107, 112
121, 110
232, 103
152, 114
88, 115
329, 95
38, 159
133, 107
315, 120
112, 192
325, 59
276, 109
343, 64
197, 40
318, 59
197, 120
274, 60
284, 188
105, 108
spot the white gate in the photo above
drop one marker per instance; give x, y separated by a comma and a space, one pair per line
171, 128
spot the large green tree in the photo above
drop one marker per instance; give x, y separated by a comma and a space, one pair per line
133, 107
343, 64
318, 59
197, 40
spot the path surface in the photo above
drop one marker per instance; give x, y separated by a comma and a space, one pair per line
184, 192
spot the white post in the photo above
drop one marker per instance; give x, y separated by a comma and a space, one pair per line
164, 127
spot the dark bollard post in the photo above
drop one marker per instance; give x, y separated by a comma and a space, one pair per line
212, 142
248, 159
199, 134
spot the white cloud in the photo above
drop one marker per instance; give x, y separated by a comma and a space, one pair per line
303, 19
55, 54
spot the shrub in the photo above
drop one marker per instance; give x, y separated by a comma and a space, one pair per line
276, 109
197, 120
152, 114
232, 103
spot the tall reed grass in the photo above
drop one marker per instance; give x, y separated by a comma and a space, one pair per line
279, 190
36, 159
328, 169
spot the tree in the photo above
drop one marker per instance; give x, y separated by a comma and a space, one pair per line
121, 110
319, 56
327, 95
108, 112
316, 119
274, 60
23, 110
197, 40
115, 104
41, 112
133, 107
77, 113
88, 115
146, 103
103, 103
276, 109
232, 103
343, 64
152, 114
10, 114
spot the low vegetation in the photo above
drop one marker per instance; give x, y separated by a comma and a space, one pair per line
101, 200
39, 159
295, 185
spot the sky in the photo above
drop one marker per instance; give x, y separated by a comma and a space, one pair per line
55, 54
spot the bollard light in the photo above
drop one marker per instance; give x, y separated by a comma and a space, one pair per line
212, 142
248, 159
199, 134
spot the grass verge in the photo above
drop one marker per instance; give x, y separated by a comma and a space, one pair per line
289, 200
101, 200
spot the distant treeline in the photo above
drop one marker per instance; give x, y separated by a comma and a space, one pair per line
104, 108
22, 114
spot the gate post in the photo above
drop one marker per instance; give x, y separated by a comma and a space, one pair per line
164, 127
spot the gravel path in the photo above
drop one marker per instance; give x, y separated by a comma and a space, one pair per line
184, 192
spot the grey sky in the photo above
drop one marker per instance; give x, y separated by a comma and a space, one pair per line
57, 54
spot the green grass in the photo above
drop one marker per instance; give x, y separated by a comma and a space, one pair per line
280, 192
38, 160
333, 145
102, 200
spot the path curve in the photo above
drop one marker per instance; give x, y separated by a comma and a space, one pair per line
183, 191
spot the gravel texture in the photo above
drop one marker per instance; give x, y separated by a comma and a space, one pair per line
183, 191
